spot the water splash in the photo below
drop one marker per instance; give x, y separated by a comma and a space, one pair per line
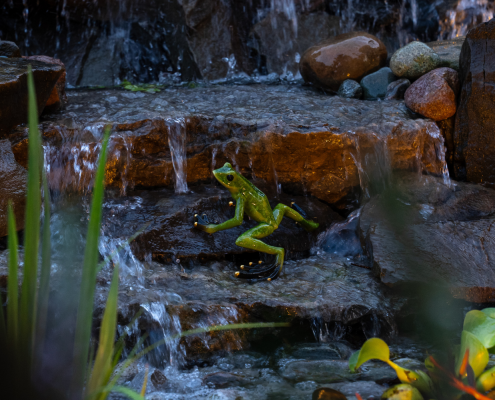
177, 144
466, 15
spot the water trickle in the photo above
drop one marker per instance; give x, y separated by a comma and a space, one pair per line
286, 7
177, 144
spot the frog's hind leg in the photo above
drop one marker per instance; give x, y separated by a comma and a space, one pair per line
281, 210
250, 240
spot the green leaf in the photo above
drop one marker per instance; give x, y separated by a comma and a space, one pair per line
88, 280
373, 348
12, 283
486, 380
32, 227
353, 361
478, 355
402, 392
102, 369
490, 312
482, 326
128, 392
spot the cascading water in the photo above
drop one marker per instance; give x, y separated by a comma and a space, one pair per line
177, 143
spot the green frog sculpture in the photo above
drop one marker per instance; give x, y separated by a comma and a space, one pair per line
250, 200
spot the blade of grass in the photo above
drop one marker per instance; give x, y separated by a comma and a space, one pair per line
119, 346
3, 329
88, 280
102, 368
32, 228
12, 283
44, 289
145, 382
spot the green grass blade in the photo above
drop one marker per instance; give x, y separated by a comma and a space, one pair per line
3, 329
102, 369
122, 389
44, 289
12, 283
32, 227
88, 280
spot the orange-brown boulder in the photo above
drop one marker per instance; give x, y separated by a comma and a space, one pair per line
349, 56
434, 94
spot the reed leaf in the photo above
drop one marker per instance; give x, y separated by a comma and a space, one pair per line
88, 279
102, 369
145, 382
27, 314
12, 283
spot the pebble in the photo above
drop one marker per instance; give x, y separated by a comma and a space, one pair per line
396, 89
375, 85
350, 89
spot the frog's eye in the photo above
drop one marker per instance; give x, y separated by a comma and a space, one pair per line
230, 177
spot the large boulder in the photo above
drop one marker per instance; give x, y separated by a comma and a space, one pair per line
348, 56
414, 60
12, 188
426, 232
304, 141
13, 89
474, 157
434, 94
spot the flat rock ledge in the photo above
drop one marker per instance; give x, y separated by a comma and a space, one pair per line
305, 141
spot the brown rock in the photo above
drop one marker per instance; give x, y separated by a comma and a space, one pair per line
434, 94
58, 98
9, 49
13, 89
327, 394
474, 139
348, 56
12, 187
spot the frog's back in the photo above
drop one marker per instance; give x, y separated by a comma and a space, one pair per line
257, 205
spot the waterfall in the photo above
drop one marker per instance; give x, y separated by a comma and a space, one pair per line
177, 144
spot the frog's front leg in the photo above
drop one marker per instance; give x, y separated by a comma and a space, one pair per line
250, 240
231, 223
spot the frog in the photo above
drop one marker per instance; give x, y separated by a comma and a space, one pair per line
254, 203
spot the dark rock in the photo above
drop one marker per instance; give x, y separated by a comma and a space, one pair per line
414, 60
433, 234
158, 379
13, 187
434, 94
9, 49
13, 89
322, 351
348, 56
375, 85
449, 51
396, 90
221, 380
327, 394
58, 97
286, 135
350, 89
474, 158
366, 389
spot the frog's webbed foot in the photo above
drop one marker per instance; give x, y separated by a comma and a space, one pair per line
202, 220
259, 273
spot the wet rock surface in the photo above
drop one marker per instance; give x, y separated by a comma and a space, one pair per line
414, 60
375, 85
396, 90
13, 89
348, 56
350, 89
12, 187
305, 141
9, 49
434, 234
474, 159
434, 94
449, 51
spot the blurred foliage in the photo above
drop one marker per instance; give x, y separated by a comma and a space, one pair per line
144, 87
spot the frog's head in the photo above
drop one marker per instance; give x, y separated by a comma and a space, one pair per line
228, 177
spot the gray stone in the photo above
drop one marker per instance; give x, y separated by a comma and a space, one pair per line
220, 380
350, 89
9, 49
449, 51
414, 60
375, 85
366, 389
396, 90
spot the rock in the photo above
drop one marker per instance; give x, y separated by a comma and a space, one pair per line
414, 60
449, 51
328, 394
402, 391
350, 89
13, 187
446, 233
58, 98
434, 94
13, 89
158, 379
474, 158
286, 135
281, 45
348, 56
9, 49
221, 380
375, 85
366, 389
396, 89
